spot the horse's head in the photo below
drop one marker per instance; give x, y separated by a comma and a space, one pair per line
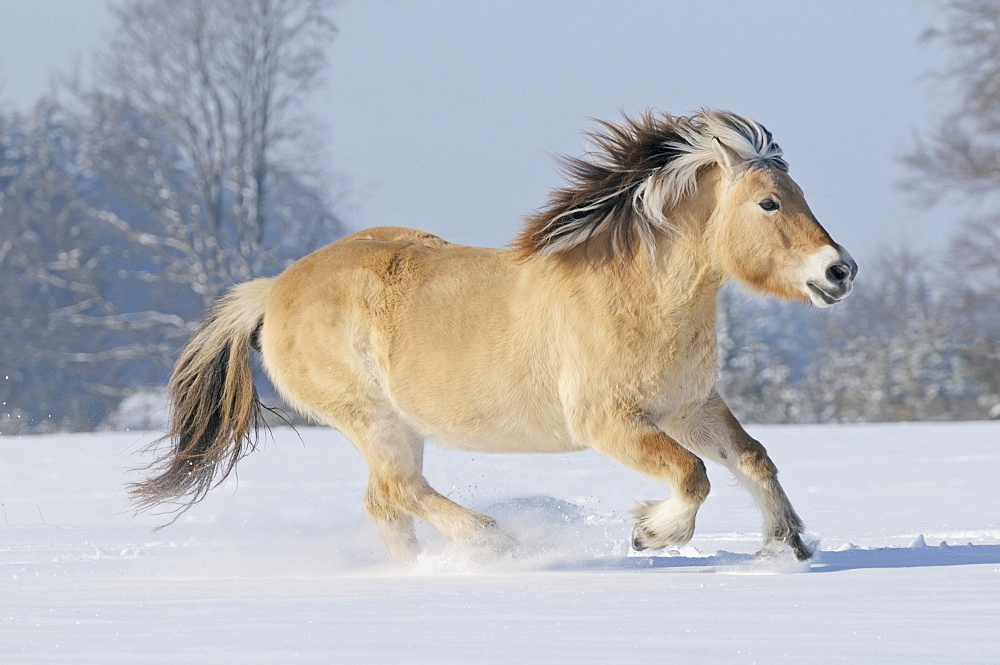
653, 176
764, 234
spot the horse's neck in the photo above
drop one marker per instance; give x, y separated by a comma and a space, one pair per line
686, 288
671, 288
676, 282
683, 267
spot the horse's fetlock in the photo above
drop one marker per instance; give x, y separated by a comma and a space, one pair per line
784, 531
487, 523
491, 538
654, 530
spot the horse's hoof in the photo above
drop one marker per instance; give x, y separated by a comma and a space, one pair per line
774, 548
663, 524
493, 543
802, 551
644, 539
637, 544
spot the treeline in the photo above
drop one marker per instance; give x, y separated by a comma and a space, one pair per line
129, 204
911, 343
90, 318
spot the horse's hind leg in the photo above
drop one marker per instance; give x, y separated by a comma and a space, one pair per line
717, 434
395, 527
397, 490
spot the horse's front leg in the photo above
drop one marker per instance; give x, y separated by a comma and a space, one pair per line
640, 445
715, 433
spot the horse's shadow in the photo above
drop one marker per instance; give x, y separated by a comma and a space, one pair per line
824, 562
553, 518
905, 557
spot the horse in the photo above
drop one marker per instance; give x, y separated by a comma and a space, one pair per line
594, 329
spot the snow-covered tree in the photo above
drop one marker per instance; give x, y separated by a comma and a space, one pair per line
896, 350
763, 345
48, 258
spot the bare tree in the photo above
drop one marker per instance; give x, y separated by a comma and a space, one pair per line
187, 164
960, 162
195, 119
900, 349
960, 159
962, 155
199, 158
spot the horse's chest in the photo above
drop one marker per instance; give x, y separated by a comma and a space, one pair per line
685, 372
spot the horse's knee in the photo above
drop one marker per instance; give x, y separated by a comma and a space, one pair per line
756, 463
657, 454
695, 483
688, 475
751, 456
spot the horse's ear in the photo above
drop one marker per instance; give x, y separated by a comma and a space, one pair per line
729, 160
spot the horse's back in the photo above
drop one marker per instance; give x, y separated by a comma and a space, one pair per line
377, 279
400, 234
382, 268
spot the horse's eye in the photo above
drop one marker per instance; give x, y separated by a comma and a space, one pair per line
769, 205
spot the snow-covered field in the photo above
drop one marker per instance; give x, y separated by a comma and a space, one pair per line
287, 569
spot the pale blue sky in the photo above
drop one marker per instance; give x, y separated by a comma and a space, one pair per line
444, 114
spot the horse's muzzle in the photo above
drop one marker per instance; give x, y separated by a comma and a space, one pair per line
832, 279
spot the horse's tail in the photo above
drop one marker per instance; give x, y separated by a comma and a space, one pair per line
215, 412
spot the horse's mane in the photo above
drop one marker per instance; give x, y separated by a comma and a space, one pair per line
638, 169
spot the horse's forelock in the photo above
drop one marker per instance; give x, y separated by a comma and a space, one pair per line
637, 170
750, 139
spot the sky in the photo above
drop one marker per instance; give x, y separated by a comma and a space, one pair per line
445, 115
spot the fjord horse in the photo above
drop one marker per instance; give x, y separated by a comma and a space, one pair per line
596, 329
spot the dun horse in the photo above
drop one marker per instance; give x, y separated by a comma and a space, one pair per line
596, 329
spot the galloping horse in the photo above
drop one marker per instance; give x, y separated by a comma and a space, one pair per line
596, 329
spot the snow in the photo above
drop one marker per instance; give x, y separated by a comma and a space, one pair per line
282, 566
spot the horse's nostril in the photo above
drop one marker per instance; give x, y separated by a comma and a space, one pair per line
838, 272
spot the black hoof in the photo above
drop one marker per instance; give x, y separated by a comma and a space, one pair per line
802, 552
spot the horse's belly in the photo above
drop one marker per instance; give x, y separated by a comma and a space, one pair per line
484, 421
506, 442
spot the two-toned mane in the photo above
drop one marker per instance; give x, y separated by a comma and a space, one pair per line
638, 170
393, 335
